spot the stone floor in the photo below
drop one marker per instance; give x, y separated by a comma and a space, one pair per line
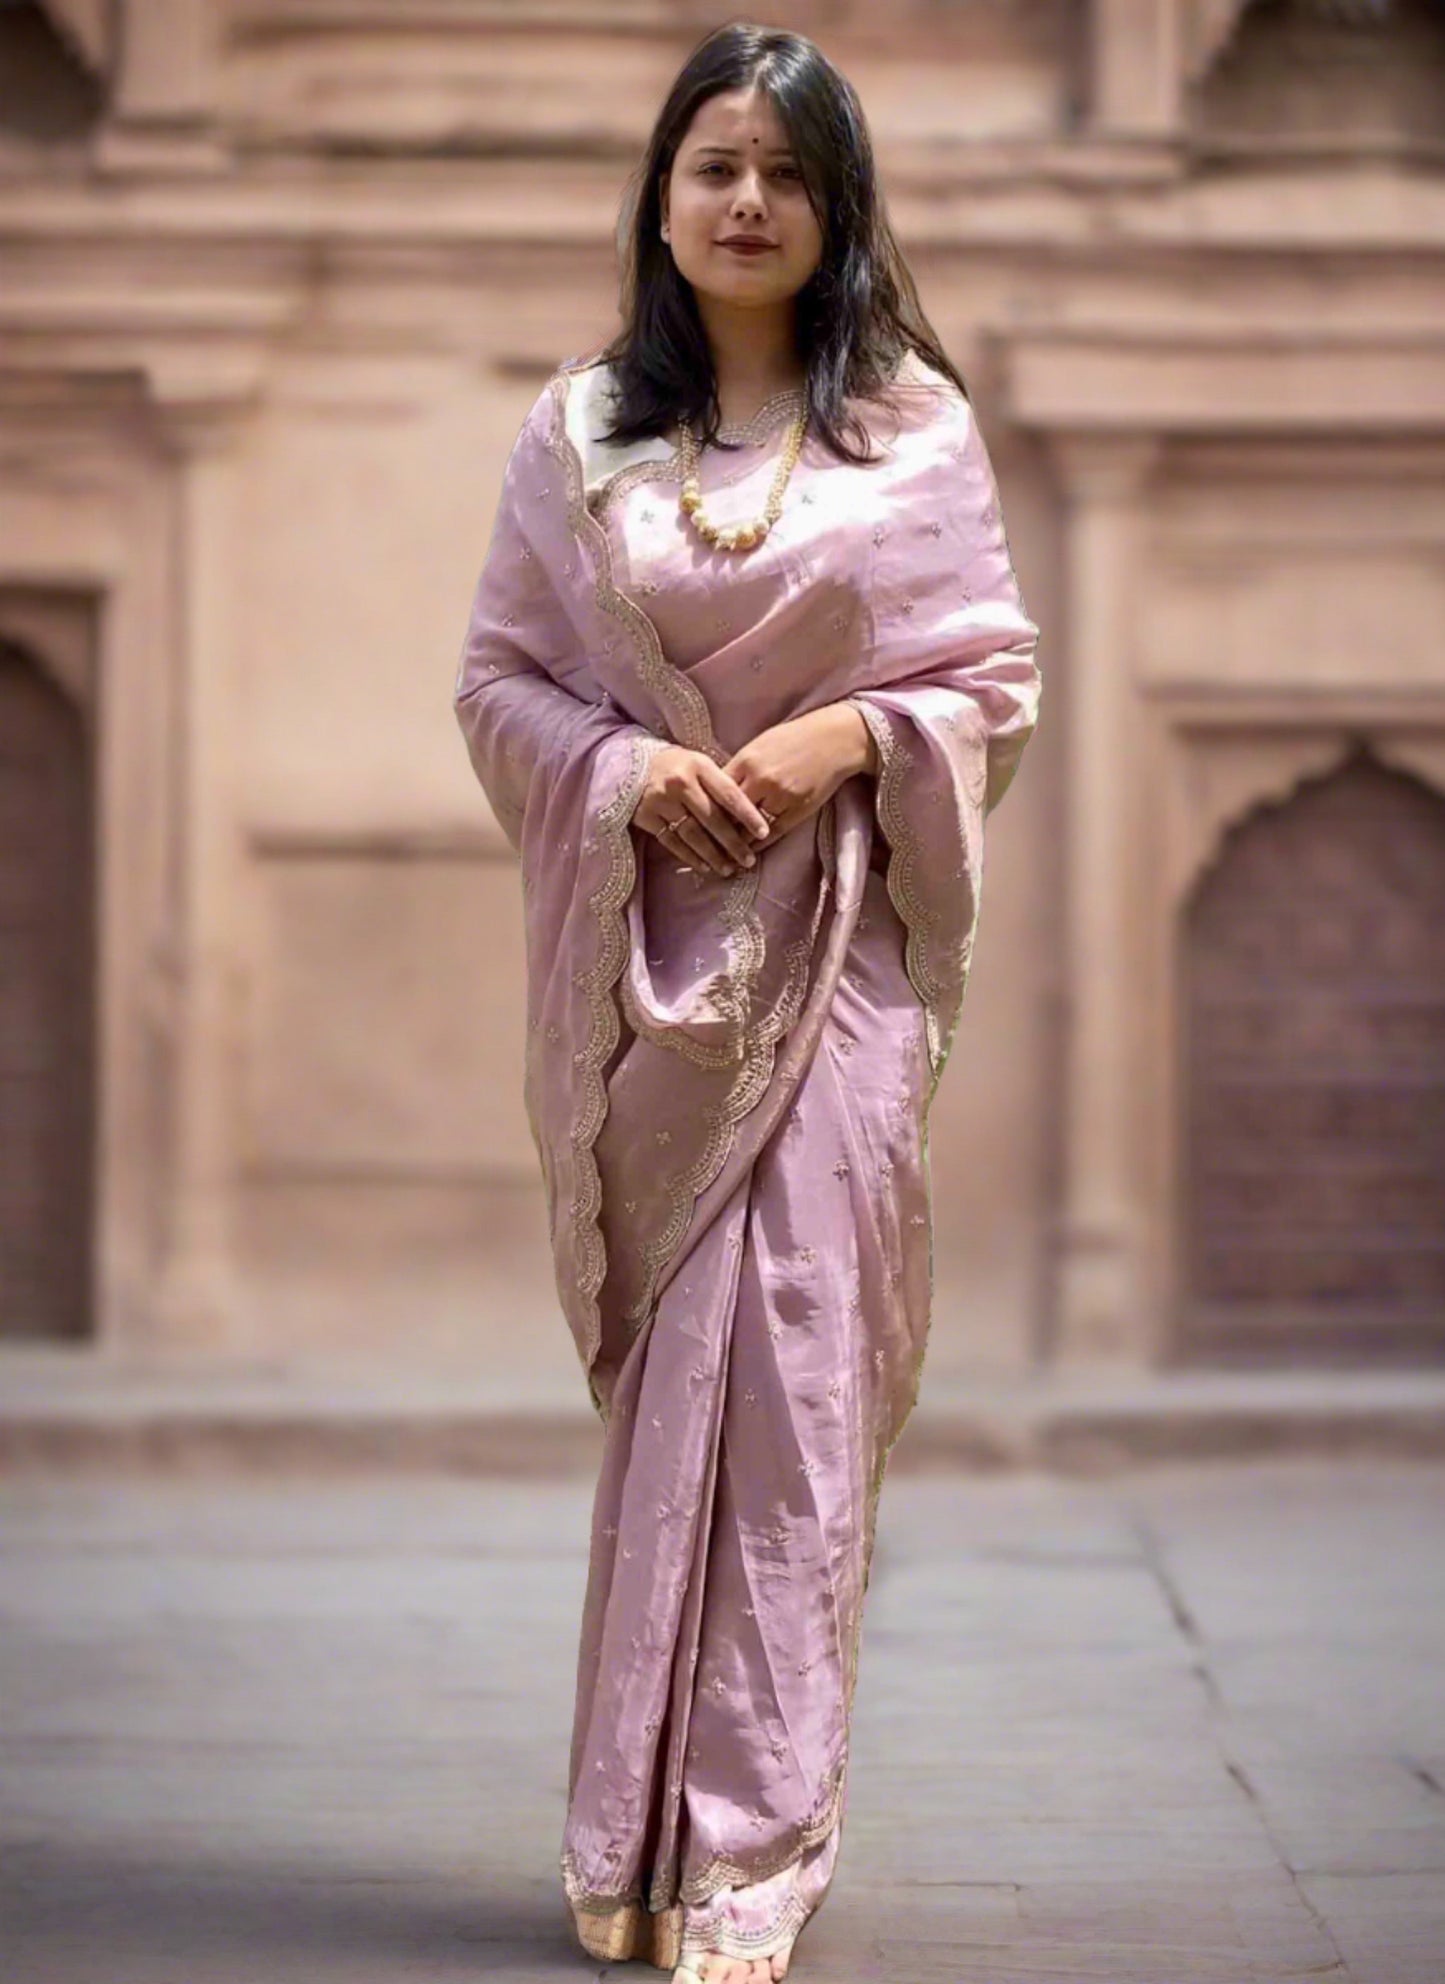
1184, 1726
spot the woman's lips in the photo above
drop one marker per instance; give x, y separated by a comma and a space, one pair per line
747, 247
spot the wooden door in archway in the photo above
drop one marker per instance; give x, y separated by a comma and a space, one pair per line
46, 1006
1313, 1168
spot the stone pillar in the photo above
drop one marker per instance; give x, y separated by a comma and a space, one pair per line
196, 1306
1138, 68
1098, 1308
166, 89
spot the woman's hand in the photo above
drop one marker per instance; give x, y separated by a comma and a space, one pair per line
697, 811
795, 767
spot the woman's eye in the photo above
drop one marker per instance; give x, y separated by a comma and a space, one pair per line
784, 172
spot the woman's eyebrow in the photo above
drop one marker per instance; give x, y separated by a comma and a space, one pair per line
731, 151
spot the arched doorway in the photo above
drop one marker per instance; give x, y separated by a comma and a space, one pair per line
1313, 1213
46, 1005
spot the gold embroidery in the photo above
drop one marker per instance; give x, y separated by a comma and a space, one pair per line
894, 768
619, 1930
668, 468
660, 468
728, 1941
722, 1054
760, 1045
604, 1031
723, 1872
691, 719
621, 480
782, 406
695, 727
691, 722
618, 1927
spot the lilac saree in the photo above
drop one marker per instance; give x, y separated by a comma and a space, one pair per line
728, 1082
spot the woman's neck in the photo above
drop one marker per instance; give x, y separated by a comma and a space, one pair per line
754, 357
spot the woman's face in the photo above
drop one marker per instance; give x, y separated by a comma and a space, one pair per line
735, 173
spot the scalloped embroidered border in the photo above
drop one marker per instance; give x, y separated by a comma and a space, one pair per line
721, 1871
670, 686
673, 688
605, 904
625, 1915
735, 988
771, 414
666, 1922
778, 1935
734, 1048
732, 995
686, 1187
760, 1052
676, 1042
893, 764
664, 468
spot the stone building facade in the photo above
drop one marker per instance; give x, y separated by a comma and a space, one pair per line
278, 279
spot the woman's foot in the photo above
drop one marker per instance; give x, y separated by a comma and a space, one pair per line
713, 1968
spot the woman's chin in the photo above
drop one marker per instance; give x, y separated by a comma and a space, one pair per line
741, 285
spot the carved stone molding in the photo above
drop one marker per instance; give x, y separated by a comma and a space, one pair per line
1223, 759
1332, 75
56, 628
89, 29
198, 399
1209, 763
1137, 70
1310, 1003
1179, 381
1423, 755
1210, 27
1104, 467
1228, 775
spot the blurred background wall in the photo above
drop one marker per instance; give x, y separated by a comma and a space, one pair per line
278, 279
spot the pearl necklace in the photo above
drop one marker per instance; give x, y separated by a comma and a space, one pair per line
743, 536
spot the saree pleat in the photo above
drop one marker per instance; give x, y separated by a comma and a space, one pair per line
729, 1084
756, 1408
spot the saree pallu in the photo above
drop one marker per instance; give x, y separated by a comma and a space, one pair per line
728, 1082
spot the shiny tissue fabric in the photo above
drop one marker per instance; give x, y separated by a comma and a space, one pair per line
728, 1082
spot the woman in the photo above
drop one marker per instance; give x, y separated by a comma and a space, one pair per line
746, 669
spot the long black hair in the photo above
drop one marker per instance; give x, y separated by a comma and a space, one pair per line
856, 315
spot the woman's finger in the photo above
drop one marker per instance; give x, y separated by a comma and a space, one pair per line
724, 788
724, 830
700, 834
693, 834
677, 849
